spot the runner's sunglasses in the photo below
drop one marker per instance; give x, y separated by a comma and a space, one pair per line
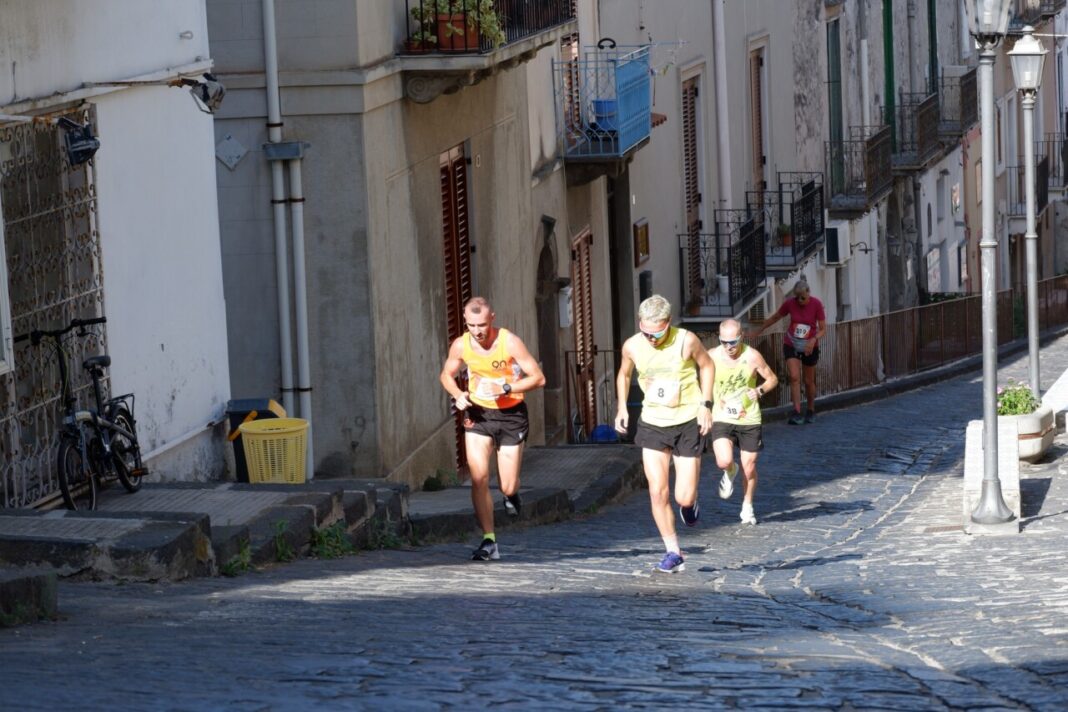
654, 336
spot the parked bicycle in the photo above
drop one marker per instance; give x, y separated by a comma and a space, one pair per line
95, 444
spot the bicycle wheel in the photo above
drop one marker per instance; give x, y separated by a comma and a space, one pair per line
125, 452
76, 480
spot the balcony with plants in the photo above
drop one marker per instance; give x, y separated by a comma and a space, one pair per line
449, 44
722, 274
792, 218
603, 108
916, 124
859, 170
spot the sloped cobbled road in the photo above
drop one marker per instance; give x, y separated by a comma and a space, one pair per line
857, 590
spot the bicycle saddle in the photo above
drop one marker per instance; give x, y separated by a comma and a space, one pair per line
101, 361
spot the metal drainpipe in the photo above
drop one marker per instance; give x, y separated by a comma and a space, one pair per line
278, 204
723, 134
917, 212
865, 67
300, 290
888, 70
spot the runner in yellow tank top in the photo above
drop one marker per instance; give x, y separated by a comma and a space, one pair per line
737, 411
676, 375
500, 370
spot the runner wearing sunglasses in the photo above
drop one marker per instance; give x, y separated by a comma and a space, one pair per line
736, 411
676, 376
801, 346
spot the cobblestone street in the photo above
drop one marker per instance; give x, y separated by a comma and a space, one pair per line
857, 590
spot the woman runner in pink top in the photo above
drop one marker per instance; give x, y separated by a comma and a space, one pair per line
801, 346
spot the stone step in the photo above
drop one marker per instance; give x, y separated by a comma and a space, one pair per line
175, 531
26, 595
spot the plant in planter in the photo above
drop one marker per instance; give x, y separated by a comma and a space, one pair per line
425, 36
460, 23
1034, 421
784, 232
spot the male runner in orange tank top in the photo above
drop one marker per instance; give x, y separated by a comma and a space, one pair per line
500, 370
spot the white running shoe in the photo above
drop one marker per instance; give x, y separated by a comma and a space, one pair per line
747, 515
726, 482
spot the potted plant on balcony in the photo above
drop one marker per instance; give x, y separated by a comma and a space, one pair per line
460, 23
1034, 421
425, 37
784, 233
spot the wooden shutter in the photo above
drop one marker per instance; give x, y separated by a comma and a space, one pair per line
582, 312
456, 241
691, 190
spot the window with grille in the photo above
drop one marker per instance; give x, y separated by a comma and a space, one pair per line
54, 274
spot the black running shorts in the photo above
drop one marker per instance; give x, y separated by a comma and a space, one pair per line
506, 426
683, 440
750, 438
789, 352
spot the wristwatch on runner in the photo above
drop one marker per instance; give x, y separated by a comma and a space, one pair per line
707, 404
507, 388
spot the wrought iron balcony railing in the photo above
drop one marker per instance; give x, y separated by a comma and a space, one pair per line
1026, 12
722, 272
959, 103
1055, 148
1016, 195
917, 130
792, 217
859, 169
604, 102
478, 26
1052, 7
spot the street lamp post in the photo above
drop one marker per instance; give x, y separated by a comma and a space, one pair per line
987, 21
1028, 56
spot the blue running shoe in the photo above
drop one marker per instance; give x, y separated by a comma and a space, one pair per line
690, 515
671, 563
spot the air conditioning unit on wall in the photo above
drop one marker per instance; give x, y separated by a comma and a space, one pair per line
836, 242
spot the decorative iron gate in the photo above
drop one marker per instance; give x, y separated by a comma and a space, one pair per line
54, 275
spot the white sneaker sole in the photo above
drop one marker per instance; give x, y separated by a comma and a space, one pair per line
677, 569
726, 485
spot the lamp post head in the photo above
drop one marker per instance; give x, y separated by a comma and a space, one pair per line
1027, 56
988, 19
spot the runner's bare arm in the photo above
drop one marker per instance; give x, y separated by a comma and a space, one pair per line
453, 363
532, 375
707, 376
626, 366
771, 379
768, 324
821, 329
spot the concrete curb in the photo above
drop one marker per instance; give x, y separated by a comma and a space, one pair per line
27, 595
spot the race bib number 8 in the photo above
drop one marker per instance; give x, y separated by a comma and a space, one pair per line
663, 392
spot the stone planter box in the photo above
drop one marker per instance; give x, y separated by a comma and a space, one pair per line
1036, 431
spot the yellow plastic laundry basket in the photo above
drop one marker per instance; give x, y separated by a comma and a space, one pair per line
275, 449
